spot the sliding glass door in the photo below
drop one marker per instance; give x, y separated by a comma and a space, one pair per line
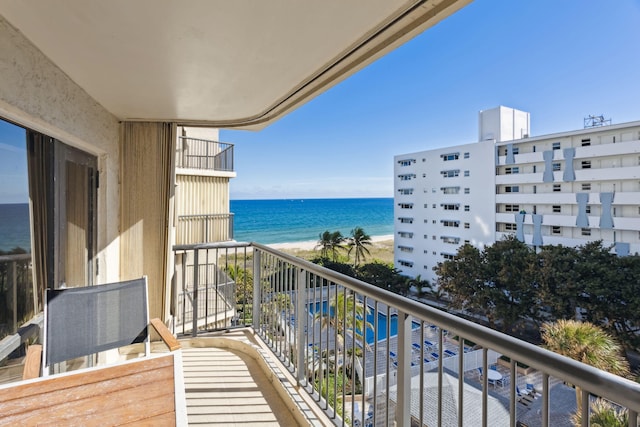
75, 211
62, 188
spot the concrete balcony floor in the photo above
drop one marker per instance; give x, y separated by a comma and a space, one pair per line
232, 380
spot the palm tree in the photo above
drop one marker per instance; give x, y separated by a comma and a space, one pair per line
329, 243
346, 314
359, 240
586, 343
604, 414
324, 244
340, 316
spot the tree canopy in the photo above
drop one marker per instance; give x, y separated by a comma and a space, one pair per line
509, 284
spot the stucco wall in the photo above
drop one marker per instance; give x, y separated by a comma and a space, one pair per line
36, 94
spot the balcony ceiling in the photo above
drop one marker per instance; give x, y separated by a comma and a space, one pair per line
220, 63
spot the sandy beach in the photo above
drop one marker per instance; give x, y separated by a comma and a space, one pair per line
311, 244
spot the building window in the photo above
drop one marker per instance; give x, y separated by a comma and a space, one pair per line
467, 242
586, 186
510, 227
586, 142
586, 164
535, 189
557, 188
557, 209
406, 162
512, 189
556, 230
450, 223
405, 191
450, 173
405, 205
433, 222
534, 169
466, 190
433, 237
448, 257
406, 220
433, 190
408, 249
466, 155
466, 173
407, 177
588, 209
451, 207
466, 225
555, 146
406, 234
450, 156
433, 206
512, 170
557, 166
450, 190
450, 240
512, 208
586, 232
424, 175
405, 263
466, 208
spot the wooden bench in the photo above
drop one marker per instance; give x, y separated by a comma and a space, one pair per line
144, 391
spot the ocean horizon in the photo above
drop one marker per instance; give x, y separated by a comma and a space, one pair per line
266, 221
14, 226
270, 221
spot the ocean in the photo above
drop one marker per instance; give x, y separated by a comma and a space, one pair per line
301, 220
262, 221
14, 226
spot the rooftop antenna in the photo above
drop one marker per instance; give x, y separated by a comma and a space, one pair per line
596, 121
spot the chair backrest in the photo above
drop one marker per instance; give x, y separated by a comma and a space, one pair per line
87, 320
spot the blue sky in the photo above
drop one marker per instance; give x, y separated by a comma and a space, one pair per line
13, 164
560, 60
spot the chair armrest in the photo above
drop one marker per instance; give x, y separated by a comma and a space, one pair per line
32, 362
165, 334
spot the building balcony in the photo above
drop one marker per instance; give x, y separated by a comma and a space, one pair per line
338, 351
194, 229
202, 154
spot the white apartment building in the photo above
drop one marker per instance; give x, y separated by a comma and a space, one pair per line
566, 188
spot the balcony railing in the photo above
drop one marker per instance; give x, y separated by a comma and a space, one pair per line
193, 229
16, 292
204, 154
370, 357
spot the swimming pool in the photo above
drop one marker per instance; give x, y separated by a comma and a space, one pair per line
382, 323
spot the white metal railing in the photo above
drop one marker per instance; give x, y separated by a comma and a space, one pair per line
204, 154
409, 362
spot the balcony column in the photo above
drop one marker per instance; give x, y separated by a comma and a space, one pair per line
569, 173
606, 218
256, 289
300, 325
547, 176
194, 300
403, 401
14, 295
